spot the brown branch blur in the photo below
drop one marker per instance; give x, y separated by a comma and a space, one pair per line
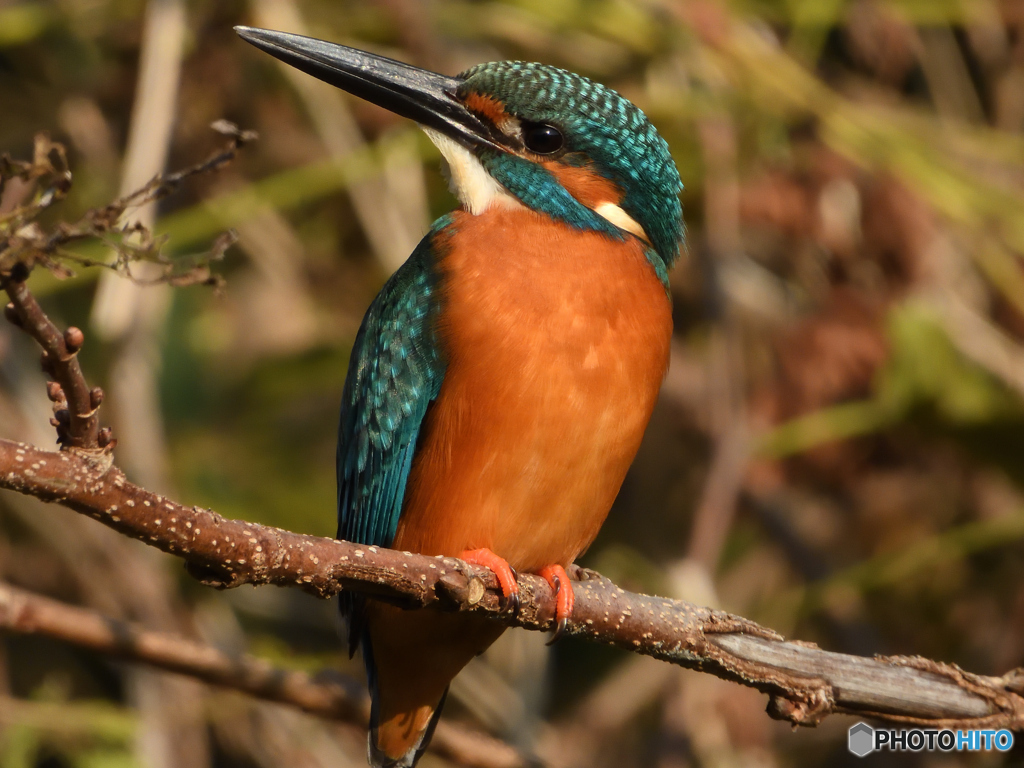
331, 696
25, 613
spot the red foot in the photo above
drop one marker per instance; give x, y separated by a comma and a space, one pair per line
506, 574
565, 598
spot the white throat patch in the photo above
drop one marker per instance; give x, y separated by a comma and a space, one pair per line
476, 189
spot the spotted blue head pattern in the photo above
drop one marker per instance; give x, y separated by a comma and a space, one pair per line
600, 127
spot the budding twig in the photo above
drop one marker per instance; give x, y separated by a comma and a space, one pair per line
74, 412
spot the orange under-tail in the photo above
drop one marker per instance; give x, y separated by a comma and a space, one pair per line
415, 655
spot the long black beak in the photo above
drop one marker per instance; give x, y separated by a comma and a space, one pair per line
421, 95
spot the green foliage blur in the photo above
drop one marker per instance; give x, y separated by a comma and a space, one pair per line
839, 448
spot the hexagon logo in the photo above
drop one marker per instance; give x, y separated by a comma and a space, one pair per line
861, 739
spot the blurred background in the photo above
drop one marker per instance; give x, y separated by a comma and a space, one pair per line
839, 447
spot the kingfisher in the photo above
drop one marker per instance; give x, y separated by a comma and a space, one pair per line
502, 379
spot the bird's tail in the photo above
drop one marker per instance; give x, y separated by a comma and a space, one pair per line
405, 736
411, 657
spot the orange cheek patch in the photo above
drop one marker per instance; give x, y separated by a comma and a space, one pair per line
590, 188
487, 107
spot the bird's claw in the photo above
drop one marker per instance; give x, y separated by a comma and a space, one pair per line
507, 577
559, 631
511, 602
565, 598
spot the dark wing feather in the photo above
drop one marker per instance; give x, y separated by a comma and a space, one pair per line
395, 372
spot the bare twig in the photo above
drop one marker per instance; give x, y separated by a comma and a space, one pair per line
77, 423
24, 242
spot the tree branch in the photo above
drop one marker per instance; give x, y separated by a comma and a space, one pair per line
805, 683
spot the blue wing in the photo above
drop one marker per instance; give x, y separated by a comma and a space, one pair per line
395, 372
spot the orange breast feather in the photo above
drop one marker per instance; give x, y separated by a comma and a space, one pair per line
557, 343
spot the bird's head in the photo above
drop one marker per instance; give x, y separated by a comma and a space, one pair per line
517, 133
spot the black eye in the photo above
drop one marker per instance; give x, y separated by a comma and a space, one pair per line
542, 138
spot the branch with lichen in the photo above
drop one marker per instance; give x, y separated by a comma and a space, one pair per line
804, 683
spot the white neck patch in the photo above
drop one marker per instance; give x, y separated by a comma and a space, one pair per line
476, 189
